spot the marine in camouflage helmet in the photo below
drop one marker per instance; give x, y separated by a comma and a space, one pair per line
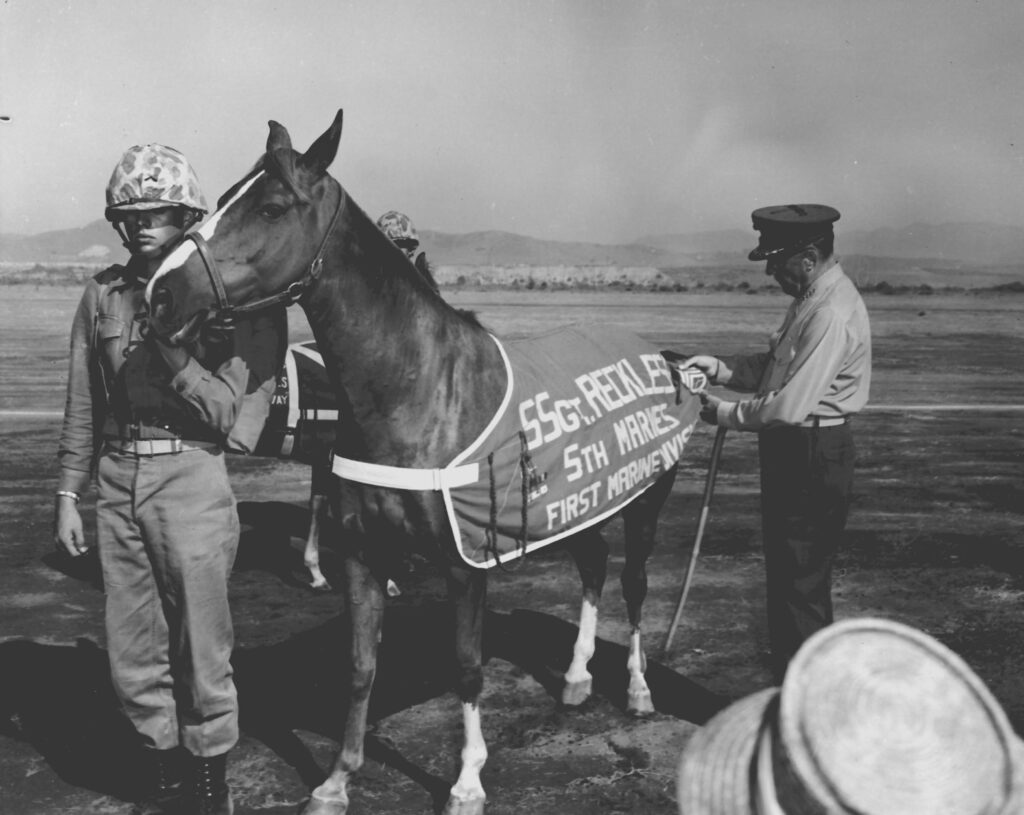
399, 228
152, 176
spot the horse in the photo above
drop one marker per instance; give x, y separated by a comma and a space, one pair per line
417, 382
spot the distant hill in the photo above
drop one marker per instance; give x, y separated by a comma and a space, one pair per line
965, 254
95, 243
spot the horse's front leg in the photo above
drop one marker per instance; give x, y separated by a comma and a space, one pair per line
365, 604
467, 589
590, 551
640, 523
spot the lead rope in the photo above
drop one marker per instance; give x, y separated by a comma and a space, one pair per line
491, 534
491, 545
524, 473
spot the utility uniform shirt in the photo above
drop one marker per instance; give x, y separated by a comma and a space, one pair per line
120, 387
818, 365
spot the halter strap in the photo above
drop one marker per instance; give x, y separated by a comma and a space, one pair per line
291, 295
216, 281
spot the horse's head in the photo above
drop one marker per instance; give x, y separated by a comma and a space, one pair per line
262, 245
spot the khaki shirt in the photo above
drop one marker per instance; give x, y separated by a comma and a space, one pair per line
818, 363
119, 385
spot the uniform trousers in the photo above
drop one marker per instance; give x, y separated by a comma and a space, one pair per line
806, 479
167, 530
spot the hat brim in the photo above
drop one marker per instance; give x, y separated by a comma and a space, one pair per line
140, 206
877, 716
790, 245
764, 254
715, 769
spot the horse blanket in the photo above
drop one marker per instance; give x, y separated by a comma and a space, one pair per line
592, 417
303, 410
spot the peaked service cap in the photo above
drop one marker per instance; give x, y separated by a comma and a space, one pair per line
873, 718
790, 227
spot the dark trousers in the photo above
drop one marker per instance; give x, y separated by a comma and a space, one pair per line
806, 476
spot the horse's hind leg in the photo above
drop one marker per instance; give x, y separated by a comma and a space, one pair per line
641, 523
467, 589
317, 512
365, 605
590, 551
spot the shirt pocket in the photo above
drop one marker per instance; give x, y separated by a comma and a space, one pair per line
110, 331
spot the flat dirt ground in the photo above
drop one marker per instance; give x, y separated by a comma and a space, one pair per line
934, 540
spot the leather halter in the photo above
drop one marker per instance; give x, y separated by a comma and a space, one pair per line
291, 295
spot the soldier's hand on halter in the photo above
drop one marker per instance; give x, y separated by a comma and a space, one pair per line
68, 531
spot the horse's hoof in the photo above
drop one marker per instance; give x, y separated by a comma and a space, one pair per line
322, 806
575, 694
465, 806
321, 585
640, 704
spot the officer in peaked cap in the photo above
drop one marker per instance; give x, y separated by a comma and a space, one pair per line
790, 227
813, 378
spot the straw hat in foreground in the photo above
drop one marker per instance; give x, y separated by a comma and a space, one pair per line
873, 718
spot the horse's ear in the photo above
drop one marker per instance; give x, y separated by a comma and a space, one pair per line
322, 152
278, 137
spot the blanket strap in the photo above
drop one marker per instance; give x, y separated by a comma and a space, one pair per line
404, 478
491, 534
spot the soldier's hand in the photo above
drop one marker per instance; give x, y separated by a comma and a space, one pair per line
709, 408
711, 366
68, 531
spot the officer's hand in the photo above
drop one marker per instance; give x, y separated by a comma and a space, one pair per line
711, 366
709, 408
68, 532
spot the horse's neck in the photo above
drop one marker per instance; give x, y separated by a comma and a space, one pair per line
418, 381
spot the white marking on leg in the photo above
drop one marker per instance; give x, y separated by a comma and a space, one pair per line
468, 790
330, 798
311, 554
639, 695
583, 650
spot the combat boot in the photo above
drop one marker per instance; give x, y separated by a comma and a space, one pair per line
209, 794
164, 782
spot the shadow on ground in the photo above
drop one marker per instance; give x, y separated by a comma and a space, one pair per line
59, 698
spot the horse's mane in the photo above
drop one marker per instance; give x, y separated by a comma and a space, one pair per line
425, 269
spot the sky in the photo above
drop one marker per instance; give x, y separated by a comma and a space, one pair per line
577, 120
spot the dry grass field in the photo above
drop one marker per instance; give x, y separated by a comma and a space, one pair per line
934, 540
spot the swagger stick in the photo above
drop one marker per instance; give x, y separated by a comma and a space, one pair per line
709, 488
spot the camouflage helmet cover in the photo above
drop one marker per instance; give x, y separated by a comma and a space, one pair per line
151, 176
397, 227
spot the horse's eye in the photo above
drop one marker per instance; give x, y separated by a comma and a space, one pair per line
272, 211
